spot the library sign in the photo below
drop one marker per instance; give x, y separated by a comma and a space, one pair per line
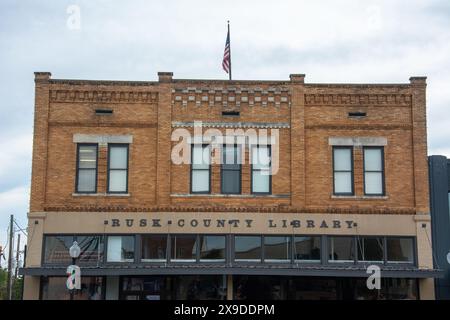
215, 224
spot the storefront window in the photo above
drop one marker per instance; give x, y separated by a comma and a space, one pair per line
92, 249
400, 250
247, 248
144, 288
307, 249
277, 249
57, 249
212, 248
120, 249
312, 288
154, 248
54, 288
199, 287
341, 249
184, 247
371, 249
399, 289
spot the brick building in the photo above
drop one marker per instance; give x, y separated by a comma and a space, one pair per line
350, 190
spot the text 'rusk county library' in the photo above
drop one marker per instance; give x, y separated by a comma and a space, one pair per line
213, 189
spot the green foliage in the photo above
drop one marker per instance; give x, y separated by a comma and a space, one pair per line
16, 287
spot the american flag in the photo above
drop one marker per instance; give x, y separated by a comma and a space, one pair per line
226, 62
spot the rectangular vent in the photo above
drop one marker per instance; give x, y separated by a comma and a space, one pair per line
231, 113
101, 112
356, 114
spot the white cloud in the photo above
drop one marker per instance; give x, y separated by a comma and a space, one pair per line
15, 158
13, 201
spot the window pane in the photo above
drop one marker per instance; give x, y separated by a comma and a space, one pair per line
342, 182
307, 248
118, 157
230, 154
400, 250
261, 181
200, 157
370, 249
92, 249
86, 180
183, 247
247, 247
277, 248
342, 159
212, 247
57, 249
231, 158
120, 249
87, 157
372, 160
261, 157
154, 247
231, 181
117, 181
341, 248
373, 183
200, 181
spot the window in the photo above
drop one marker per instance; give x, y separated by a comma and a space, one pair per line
277, 249
92, 249
261, 170
86, 180
118, 168
154, 248
56, 249
247, 248
231, 169
341, 249
400, 250
343, 170
371, 249
54, 288
184, 247
200, 169
307, 249
373, 171
212, 248
120, 249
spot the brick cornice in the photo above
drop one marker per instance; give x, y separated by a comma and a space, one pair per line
273, 209
358, 99
360, 126
108, 96
102, 124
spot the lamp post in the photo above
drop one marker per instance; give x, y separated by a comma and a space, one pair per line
73, 281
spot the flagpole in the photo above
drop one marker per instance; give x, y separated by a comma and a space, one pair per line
230, 46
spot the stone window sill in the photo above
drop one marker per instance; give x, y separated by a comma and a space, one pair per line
215, 195
100, 194
360, 197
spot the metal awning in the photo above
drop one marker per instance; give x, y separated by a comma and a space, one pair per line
237, 269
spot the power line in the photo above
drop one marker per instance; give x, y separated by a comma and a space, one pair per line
20, 228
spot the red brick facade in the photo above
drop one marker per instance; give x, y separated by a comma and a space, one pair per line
310, 119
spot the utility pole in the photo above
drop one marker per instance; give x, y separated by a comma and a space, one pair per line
17, 256
10, 255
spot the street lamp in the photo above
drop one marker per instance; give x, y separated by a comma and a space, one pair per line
73, 271
74, 251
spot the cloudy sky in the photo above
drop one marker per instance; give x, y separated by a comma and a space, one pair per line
331, 41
